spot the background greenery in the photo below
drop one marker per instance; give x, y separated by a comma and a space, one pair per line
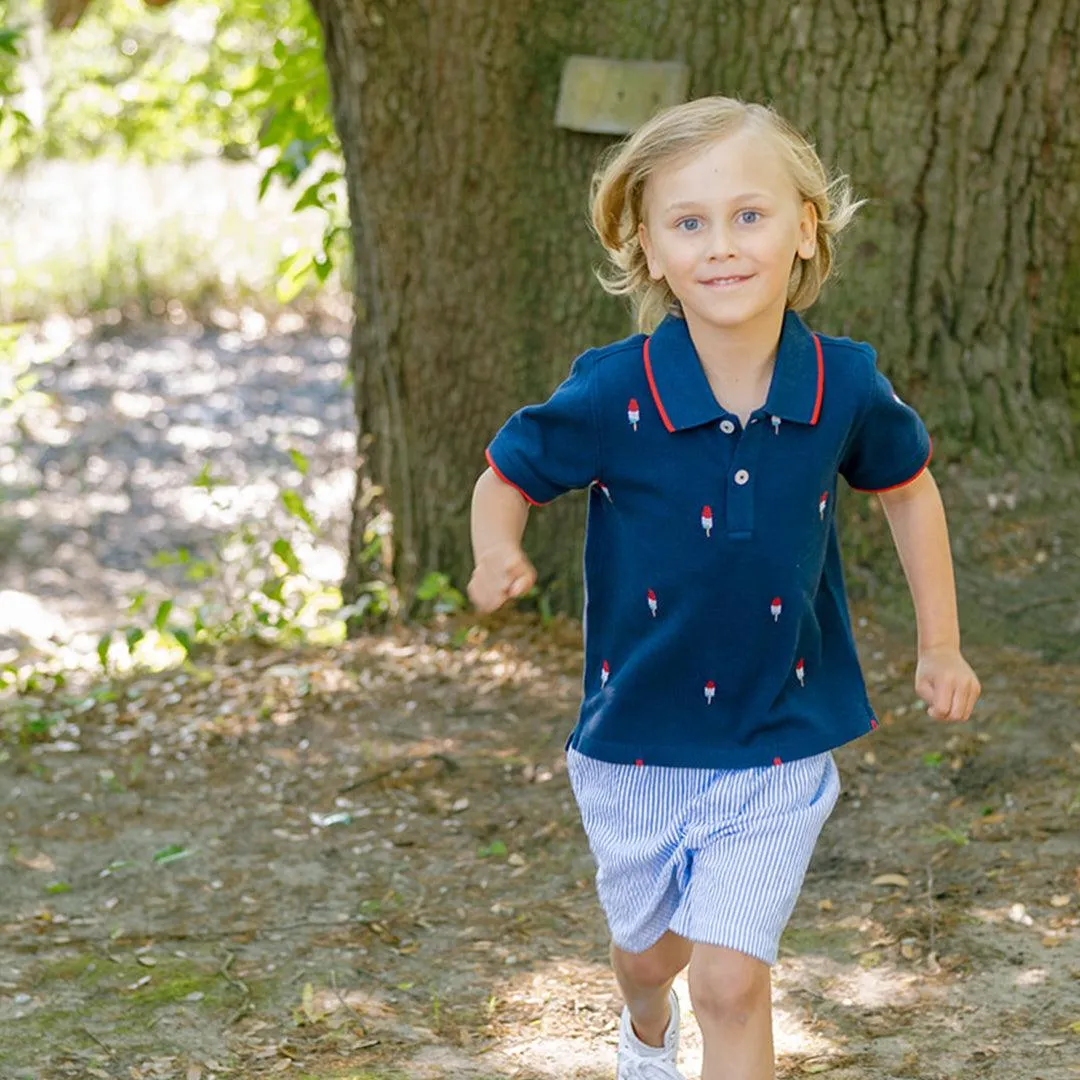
164, 90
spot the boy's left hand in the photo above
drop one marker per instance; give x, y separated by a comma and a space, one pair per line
945, 681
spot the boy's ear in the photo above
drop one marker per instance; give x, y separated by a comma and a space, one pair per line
646, 246
808, 231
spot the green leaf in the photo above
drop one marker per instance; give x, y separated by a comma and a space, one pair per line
162, 616
58, 887
206, 480
295, 505
171, 854
432, 585
312, 197
103, 649
272, 589
284, 551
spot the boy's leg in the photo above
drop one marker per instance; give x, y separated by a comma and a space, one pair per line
645, 979
732, 997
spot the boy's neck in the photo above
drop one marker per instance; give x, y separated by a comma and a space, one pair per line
740, 354
738, 360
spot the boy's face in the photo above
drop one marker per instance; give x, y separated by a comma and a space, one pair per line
724, 227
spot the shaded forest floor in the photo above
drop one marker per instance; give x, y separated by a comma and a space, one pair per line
364, 861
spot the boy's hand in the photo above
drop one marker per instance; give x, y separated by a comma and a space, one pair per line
947, 684
502, 573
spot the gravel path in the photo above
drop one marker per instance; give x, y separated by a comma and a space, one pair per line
97, 467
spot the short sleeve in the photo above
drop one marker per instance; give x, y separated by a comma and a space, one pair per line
549, 449
889, 446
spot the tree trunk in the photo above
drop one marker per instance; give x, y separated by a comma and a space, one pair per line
474, 287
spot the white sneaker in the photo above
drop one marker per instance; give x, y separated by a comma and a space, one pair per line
637, 1061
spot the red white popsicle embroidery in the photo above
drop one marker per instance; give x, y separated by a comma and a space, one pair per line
822, 502
652, 602
633, 413
776, 607
800, 672
707, 520
605, 674
710, 692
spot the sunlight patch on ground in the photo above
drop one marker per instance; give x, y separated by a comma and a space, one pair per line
1031, 977
867, 988
572, 1009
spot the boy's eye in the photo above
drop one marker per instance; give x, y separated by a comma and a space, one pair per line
749, 217
691, 224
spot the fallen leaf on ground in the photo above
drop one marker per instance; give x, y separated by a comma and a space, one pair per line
891, 879
40, 861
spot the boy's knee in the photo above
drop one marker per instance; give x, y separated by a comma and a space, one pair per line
654, 967
728, 986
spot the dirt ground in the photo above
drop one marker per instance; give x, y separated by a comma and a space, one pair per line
364, 861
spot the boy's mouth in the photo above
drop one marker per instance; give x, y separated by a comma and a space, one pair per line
727, 281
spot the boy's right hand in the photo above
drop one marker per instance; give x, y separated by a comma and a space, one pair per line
502, 573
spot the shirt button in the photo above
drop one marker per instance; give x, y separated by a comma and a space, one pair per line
727, 427
741, 477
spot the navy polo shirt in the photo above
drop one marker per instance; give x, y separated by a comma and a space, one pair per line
716, 624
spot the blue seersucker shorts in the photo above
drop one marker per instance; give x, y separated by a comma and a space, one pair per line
716, 855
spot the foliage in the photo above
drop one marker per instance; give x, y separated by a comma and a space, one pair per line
242, 79
14, 123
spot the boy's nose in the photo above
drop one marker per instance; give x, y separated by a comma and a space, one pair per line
721, 243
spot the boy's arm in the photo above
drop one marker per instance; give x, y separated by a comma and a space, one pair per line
499, 516
916, 518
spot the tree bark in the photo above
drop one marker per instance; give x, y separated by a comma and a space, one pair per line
474, 287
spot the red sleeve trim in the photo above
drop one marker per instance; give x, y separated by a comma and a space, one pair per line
903, 483
820, 380
655, 393
506, 480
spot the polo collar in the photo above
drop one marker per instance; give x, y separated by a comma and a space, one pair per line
685, 399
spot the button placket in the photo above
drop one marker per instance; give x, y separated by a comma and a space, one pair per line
740, 501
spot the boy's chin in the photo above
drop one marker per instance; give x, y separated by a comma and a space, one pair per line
726, 315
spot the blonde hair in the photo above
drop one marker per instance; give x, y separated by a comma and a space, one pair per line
618, 190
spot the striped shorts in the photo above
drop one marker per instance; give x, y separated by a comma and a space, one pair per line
716, 855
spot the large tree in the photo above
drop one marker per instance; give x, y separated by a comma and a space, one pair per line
959, 120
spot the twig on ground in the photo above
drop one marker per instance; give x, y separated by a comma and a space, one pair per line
356, 1012
450, 763
104, 1046
223, 971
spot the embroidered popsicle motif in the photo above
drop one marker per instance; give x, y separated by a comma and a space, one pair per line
605, 674
776, 607
652, 602
776, 425
707, 520
822, 502
800, 672
633, 413
604, 489
710, 691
